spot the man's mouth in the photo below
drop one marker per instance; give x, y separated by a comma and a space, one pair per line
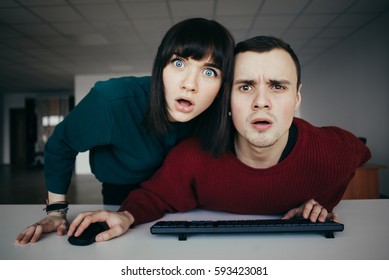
261, 124
261, 121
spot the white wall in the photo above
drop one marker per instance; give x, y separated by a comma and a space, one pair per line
348, 86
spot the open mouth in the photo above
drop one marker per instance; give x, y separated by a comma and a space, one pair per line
261, 122
184, 105
184, 102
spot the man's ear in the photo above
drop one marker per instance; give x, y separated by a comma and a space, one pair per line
298, 98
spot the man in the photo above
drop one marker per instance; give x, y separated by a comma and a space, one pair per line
278, 164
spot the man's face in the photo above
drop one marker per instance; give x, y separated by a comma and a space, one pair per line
264, 97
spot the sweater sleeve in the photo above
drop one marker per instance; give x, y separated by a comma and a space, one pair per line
170, 190
87, 125
358, 152
354, 154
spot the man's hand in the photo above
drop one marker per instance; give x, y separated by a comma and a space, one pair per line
312, 210
52, 222
118, 222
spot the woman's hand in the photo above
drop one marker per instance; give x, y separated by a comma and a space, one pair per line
118, 222
312, 210
52, 222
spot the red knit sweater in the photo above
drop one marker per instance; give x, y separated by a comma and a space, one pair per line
320, 166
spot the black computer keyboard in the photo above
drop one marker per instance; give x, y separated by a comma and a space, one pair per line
183, 228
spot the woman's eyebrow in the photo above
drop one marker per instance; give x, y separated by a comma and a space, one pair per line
211, 64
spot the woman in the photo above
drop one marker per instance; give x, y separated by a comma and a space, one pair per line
129, 124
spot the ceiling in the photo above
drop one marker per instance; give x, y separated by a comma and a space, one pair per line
45, 43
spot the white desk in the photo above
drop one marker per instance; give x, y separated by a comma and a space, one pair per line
366, 237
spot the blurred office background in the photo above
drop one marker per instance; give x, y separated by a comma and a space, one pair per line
53, 51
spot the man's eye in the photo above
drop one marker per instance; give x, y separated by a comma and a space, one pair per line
278, 87
178, 62
245, 88
210, 72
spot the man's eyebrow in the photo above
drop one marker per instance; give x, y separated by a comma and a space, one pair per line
244, 81
279, 82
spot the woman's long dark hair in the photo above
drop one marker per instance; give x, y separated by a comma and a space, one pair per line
195, 38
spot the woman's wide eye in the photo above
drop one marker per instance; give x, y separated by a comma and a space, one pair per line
210, 73
178, 63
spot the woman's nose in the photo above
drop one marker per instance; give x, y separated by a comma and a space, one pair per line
190, 82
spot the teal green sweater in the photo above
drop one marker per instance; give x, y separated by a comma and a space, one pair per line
108, 123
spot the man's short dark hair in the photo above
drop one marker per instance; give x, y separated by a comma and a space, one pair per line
262, 44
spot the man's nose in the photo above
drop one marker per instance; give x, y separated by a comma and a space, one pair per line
261, 99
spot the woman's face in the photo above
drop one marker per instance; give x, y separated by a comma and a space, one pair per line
190, 87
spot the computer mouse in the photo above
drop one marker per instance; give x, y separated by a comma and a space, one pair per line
88, 236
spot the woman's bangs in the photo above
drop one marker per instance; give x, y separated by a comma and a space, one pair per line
199, 50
